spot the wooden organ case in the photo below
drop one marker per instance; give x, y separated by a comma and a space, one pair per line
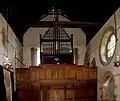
57, 83
56, 44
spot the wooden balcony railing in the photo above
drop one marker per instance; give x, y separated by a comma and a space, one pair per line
52, 74
35, 82
19, 63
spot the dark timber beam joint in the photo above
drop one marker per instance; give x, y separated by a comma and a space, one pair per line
65, 24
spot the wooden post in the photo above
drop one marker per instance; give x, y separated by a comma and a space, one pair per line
65, 92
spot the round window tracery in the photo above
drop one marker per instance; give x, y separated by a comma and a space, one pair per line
107, 46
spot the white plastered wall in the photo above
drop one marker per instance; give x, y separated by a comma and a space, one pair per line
93, 52
13, 46
31, 39
13, 49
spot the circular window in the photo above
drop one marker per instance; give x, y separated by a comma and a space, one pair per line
107, 46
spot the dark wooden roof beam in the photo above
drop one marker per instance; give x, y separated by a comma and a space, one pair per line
65, 24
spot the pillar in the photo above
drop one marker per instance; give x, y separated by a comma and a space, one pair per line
33, 57
76, 55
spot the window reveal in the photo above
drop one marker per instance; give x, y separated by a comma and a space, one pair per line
107, 46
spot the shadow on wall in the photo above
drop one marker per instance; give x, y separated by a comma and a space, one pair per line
86, 61
93, 63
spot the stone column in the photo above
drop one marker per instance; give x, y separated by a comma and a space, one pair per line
76, 55
33, 56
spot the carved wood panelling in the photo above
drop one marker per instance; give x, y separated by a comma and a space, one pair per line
22, 75
53, 74
58, 84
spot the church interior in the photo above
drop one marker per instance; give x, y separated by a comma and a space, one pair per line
57, 58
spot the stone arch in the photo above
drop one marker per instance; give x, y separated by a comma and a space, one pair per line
108, 74
109, 85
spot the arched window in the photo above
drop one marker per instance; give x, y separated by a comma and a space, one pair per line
107, 46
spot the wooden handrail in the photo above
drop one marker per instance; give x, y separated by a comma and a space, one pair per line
20, 61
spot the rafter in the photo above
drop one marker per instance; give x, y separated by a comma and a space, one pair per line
65, 24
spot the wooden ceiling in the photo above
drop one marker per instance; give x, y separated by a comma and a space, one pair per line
22, 15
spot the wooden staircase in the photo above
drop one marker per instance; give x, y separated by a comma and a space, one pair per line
57, 83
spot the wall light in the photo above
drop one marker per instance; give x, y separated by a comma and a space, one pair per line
7, 65
117, 61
